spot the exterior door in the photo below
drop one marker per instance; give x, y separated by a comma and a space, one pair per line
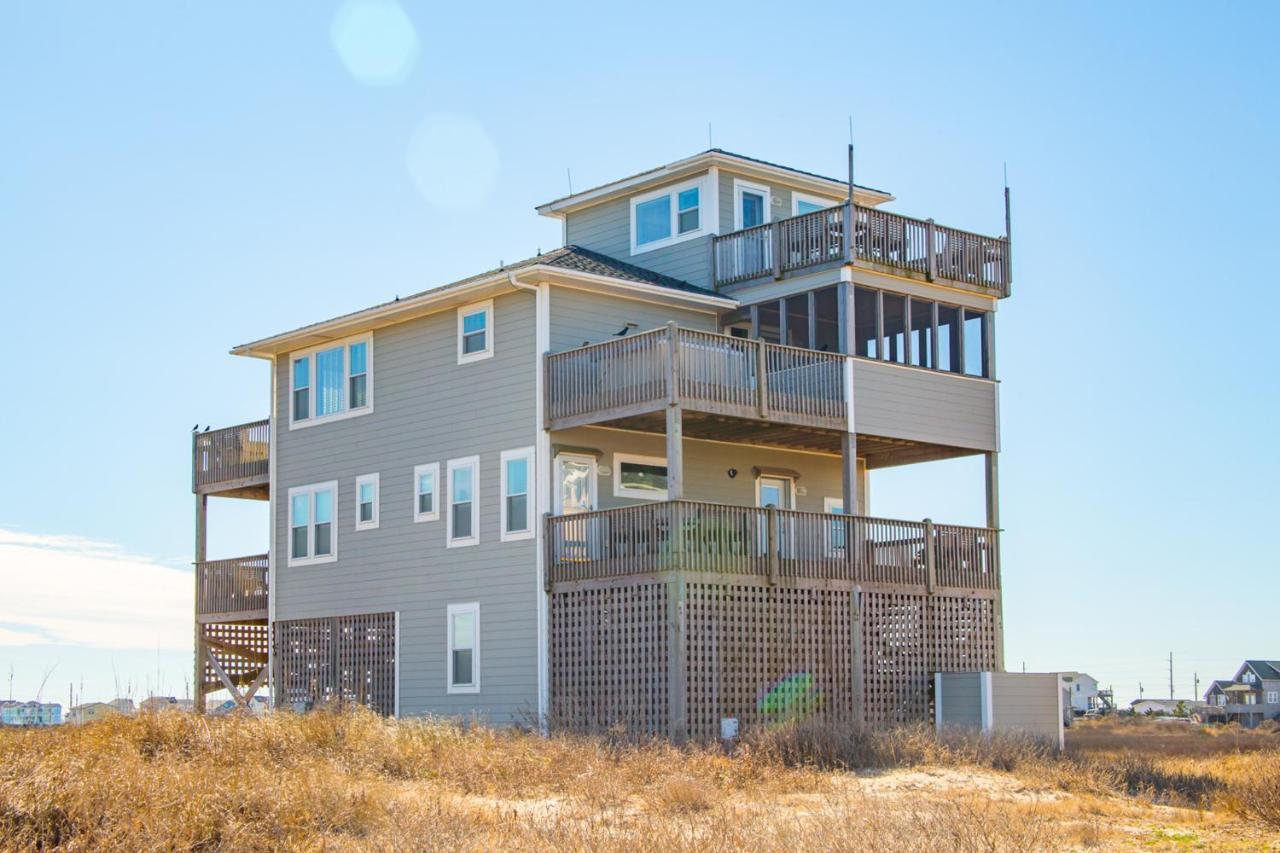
575, 483
777, 492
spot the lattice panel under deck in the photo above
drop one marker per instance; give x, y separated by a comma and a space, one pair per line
608, 649
347, 658
766, 654
241, 668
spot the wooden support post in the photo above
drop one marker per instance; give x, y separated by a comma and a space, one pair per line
856, 662
773, 539
775, 234
930, 558
849, 473
993, 490
202, 519
673, 363
762, 380
930, 238
549, 552
993, 523
848, 249
677, 661
675, 453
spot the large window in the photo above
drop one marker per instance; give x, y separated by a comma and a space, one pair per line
517, 494
942, 337
826, 320
921, 333
464, 648
312, 537
464, 515
642, 477
866, 329
426, 492
666, 216
330, 382
950, 358
475, 332
809, 320
367, 502
894, 322
802, 204
975, 343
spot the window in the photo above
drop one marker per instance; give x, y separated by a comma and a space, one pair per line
464, 515
769, 323
751, 204
1247, 678
1273, 697
802, 204
426, 501
866, 324
1251, 698
464, 648
517, 494
949, 354
921, 333
367, 502
894, 344
826, 320
331, 382
975, 343
1222, 699
358, 379
641, 477
301, 389
475, 332
798, 320
835, 506
312, 537
666, 216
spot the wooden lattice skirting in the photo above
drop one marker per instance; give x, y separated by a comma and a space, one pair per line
337, 659
673, 654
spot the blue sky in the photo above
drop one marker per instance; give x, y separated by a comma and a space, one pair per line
177, 180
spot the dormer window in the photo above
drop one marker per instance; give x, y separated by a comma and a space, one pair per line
666, 217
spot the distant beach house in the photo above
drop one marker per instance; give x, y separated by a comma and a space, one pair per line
1252, 696
30, 713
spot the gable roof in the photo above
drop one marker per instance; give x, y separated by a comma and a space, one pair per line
700, 162
572, 261
1268, 669
1219, 684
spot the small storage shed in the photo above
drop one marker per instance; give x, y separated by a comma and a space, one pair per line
1028, 702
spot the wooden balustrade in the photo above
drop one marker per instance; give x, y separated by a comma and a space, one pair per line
235, 586
717, 538
903, 242
715, 373
234, 455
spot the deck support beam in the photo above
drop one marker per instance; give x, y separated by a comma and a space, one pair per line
202, 526
675, 453
849, 473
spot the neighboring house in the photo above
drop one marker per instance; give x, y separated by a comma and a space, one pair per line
1168, 707
164, 703
31, 714
91, 711
1249, 698
1083, 690
625, 481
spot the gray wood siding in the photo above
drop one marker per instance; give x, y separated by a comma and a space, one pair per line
781, 197
923, 405
707, 464
1026, 702
606, 228
961, 700
427, 408
579, 316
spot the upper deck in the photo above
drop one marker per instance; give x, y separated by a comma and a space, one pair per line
233, 461
918, 248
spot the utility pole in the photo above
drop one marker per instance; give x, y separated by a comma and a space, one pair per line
1195, 678
1139, 689
1171, 675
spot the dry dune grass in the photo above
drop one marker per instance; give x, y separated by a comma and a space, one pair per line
354, 781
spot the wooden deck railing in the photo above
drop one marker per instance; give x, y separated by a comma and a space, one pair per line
704, 371
917, 245
717, 538
238, 585
231, 455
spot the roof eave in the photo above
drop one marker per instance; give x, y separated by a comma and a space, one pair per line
701, 162
445, 298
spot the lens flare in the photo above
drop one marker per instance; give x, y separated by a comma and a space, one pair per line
375, 40
793, 697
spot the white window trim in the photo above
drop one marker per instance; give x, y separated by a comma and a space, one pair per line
453, 609
309, 354
472, 462
311, 559
674, 191
418, 470
796, 198
527, 454
739, 186
361, 480
474, 308
621, 491
557, 498
1273, 697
